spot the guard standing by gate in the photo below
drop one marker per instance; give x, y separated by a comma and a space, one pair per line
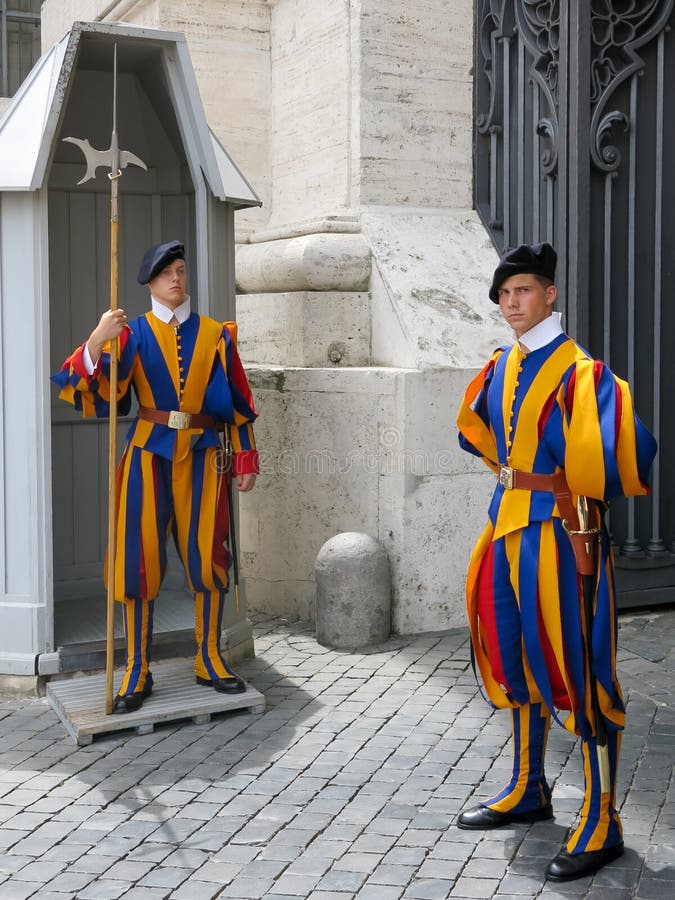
558, 429
189, 381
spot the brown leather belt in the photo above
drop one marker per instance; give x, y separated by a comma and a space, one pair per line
525, 481
556, 483
174, 418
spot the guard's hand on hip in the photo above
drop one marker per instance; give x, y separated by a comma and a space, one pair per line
246, 482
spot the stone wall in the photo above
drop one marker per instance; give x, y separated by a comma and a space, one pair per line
416, 136
310, 147
370, 450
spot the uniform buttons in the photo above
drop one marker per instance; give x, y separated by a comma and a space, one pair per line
181, 369
180, 359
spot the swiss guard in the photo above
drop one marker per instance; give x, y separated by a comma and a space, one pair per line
186, 373
559, 431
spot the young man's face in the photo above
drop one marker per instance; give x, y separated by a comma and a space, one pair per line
525, 302
169, 285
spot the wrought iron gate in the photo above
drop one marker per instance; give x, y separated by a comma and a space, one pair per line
575, 144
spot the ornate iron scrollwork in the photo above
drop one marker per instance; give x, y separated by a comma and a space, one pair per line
618, 29
539, 26
494, 23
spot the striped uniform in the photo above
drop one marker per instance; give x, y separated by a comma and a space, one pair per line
550, 409
168, 480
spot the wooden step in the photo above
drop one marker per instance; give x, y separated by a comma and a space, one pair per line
80, 702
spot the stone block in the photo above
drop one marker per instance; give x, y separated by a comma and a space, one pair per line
353, 591
305, 328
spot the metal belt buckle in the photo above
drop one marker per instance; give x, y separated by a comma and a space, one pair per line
506, 477
179, 420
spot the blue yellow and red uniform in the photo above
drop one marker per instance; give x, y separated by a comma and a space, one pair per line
552, 409
171, 481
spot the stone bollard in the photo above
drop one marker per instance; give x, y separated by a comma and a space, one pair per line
353, 592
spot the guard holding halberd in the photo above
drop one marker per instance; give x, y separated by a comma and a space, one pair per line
559, 431
189, 381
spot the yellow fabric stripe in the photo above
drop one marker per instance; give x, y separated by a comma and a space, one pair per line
516, 795
181, 483
511, 373
470, 423
574, 839
626, 454
120, 530
131, 643
208, 335
514, 509
549, 600
235, 438
584, 453
213, 638
142, 385
166, 338
207, 511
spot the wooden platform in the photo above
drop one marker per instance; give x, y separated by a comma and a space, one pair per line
80, 702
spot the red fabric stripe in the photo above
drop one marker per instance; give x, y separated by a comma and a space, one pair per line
486, 615
246, 462
617, 413
238, 376
558, 688
545, 413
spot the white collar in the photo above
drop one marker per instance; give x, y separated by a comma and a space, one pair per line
182, 312
542, 333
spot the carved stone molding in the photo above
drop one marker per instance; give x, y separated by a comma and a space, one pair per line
312, 262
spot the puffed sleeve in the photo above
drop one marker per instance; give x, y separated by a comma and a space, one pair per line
90, 394
230, 400
475, 434
608, 451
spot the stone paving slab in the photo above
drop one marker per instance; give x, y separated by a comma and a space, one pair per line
347, 787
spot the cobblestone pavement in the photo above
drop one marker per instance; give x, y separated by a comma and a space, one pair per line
347, 787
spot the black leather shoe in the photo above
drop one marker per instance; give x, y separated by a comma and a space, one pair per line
482, 817
233, 685
126, 703
568, 866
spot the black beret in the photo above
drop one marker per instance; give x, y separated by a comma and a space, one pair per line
157, 258
528, 259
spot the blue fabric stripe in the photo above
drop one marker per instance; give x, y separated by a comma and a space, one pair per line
606, 400
508, 624
570, 617
189, 331
132, 527
528, 570
156, 368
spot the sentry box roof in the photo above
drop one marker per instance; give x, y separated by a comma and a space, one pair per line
158, 99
